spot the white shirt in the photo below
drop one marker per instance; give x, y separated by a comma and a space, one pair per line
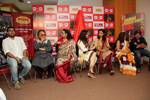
2, 95
15, 46
82, 47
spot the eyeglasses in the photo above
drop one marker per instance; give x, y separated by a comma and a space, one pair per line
43, 34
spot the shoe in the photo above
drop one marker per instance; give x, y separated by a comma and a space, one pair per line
138, 71
112, 72
104, 65
91, 75
22, 80
17, 86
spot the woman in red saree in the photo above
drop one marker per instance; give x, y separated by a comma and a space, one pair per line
66, 57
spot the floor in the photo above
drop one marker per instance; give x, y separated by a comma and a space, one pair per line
104, 87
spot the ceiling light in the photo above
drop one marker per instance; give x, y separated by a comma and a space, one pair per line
25, 1
28, 2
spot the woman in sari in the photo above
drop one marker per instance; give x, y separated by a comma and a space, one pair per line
66, 53
103, 51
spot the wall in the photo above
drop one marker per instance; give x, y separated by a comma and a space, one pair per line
8, 9
144, 6
81, 2
121, 7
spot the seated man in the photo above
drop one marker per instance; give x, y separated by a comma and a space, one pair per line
138, 45
15, 50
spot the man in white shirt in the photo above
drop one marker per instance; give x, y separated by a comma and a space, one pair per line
16, 52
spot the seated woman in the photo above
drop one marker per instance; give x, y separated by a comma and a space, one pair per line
66, 53
43, 61
103, 51
85, 54
123, 53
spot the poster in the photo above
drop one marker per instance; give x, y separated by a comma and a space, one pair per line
23, 27
133, 22
22, 24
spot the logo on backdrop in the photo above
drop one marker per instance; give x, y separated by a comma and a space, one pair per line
23, 20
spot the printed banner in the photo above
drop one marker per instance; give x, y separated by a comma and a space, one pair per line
87, 9
50, 24
63, 17
38, 22
88, 17
108, 10
89, 25
50, 9
23, 27
38, 8
74, 9
98, 17
98, 10
63, 25
133, 21
57, 17
22, 23
63, 9
98, 25
50, 17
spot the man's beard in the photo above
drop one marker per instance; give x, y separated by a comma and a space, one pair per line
11, 36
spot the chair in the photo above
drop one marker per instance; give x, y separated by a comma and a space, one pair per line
3, 71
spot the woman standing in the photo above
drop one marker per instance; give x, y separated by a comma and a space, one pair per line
43, 61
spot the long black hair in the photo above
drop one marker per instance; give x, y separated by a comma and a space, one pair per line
127, 36
82, 36
104, 34
69, 36
121, 37
137, 32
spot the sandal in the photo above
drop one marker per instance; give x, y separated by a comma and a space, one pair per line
91, 75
